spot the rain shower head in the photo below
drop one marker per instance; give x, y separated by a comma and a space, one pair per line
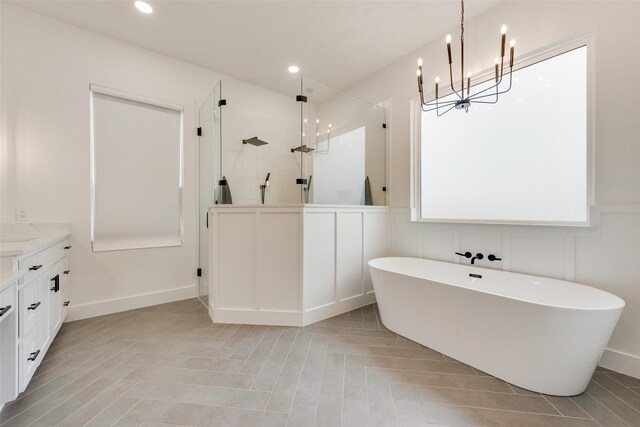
254, 141
302, 148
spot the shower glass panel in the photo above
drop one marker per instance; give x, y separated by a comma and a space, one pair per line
291, 140
209, 151
260, 127
348, 137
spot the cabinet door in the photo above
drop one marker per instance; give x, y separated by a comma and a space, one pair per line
55, 304
44, 295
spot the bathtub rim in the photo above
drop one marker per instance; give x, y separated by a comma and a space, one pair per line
620, 306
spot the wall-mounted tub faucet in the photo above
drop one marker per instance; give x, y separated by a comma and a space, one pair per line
263, 187
478, 256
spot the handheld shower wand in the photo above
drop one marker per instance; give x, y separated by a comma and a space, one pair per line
263, 187
307, 190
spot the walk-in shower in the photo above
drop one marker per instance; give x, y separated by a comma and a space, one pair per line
293, 127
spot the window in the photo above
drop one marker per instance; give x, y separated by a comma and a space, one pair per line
523, 160
136, 171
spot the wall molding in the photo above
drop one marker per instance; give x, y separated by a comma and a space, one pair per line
621, 362
116, 305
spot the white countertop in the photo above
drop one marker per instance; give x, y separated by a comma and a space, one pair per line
43, 240
7, 277
39, 237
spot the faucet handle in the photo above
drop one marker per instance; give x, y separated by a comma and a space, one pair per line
466, 254
492, 257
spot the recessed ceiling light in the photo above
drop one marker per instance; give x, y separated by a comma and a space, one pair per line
143, 7
293, 69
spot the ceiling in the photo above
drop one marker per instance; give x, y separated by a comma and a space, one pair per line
336, 42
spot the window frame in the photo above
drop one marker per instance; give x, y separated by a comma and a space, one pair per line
544, 53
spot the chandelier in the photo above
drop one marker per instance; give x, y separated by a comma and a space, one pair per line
463, 100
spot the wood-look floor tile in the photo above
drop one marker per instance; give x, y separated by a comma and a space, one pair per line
193, 377
614, 404
475, 417
202, 395
285, 387
202, 415
566, 406
473, 398
620, 391
598, 411
305, 401
186, 362
112, 413
329, 412
466, 382
418, 365
409, 353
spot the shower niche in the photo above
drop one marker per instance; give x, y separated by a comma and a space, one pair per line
292, 199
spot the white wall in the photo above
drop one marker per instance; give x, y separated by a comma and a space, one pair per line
47, 67
605, 257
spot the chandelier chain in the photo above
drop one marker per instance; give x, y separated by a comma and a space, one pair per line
462, 21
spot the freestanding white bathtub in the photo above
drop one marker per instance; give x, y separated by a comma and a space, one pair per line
540, 334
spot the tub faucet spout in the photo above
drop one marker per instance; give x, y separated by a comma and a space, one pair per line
478, 256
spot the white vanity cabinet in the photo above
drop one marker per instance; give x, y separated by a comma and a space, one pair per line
41, 304
9, 336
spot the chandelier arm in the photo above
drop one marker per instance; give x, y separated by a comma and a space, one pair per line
430, 107
451, 82
477, 95
432, 103
439, 114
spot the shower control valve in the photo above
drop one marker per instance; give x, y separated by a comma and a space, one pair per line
492, 257
466, 254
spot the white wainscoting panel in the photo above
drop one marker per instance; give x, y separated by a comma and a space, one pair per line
280, 261
375, 242
237, 252
293, 265
319, 259
349, 256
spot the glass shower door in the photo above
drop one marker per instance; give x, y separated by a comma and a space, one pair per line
207, 142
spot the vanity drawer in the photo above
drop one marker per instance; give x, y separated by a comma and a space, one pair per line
51, 255
31, 266
29, 307
7, 301
29, 358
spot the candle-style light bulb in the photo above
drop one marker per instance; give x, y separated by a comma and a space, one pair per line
449, 47
437, 79
448, 38
329, 125
305, 120
317, 121
513, 45
419, 62
503, 29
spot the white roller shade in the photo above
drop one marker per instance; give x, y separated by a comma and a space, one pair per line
136, 159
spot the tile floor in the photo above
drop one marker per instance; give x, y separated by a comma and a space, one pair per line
169, 365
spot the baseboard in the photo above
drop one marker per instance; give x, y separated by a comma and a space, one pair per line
255, 317
289, 318
116, 305
325, 312
619, 361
